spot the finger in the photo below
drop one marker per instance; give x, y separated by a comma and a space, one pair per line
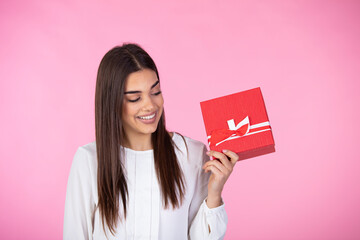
217, 164
215, 171
222, 157
233, 156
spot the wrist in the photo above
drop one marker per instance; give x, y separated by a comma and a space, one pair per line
214, 201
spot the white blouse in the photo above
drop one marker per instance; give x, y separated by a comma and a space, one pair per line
147, 218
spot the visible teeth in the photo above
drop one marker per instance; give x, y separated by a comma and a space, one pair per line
148, 117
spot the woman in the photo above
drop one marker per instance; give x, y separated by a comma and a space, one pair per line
139, 181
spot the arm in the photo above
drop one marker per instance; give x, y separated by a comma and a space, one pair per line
207, 221
78, 203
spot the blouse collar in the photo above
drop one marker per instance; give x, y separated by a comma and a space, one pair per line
146, 152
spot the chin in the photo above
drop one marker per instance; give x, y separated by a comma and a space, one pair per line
149, 130
146, 131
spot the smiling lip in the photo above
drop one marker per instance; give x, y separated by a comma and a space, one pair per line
148, 121
148, 114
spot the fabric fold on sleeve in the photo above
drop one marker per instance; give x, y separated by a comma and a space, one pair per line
217, 220
213, 219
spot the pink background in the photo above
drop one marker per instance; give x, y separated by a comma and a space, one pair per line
304, 55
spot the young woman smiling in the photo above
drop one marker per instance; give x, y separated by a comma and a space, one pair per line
137, 180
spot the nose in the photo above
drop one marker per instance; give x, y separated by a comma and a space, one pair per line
149, 104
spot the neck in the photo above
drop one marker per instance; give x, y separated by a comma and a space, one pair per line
141, 142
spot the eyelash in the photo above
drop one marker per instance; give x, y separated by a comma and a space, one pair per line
139, 97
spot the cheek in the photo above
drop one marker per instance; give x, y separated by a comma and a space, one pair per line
160, 101
126, 111
130, 110
160, 104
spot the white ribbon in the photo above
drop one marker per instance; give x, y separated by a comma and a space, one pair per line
231, 124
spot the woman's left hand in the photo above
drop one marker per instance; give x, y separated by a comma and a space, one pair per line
221, 168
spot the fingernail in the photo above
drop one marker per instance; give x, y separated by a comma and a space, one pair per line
224, 150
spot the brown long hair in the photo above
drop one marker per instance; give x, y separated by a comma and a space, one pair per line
113, 71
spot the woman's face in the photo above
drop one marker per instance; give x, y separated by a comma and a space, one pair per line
143, 103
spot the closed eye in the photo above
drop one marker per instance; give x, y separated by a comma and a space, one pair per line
157, 93
135, 100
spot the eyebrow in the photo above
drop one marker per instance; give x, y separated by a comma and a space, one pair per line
130, 92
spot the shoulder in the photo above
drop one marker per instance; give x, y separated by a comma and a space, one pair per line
193, 143
195, 149
89, 149
85, 159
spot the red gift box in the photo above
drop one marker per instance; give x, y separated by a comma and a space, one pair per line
238, 122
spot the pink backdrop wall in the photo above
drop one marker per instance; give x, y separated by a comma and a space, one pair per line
304, 55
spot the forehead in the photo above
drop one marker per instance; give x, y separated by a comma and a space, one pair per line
140, 80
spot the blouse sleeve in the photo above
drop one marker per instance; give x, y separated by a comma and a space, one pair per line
78, 210
214, 218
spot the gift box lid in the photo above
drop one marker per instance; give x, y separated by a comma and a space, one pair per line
244, 113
